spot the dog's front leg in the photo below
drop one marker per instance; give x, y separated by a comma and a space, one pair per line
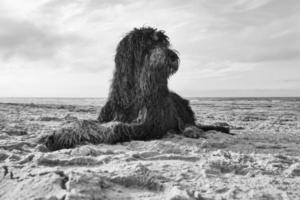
106, 114
79, 132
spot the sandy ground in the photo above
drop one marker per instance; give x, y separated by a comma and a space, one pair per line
262, 161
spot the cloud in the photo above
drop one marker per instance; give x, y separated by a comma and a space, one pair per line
204, 31
291, 80
27, 40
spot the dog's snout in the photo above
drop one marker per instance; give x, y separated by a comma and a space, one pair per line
173, 61
172, 55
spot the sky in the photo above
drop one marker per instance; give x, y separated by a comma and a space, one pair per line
66, 48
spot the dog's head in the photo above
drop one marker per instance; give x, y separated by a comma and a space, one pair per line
147, 49
144, 61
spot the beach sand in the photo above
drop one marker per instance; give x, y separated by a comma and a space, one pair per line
262, 161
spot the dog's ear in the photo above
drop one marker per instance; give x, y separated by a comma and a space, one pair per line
124, 58
125, 71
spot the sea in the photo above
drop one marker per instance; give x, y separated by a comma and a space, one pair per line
194, 100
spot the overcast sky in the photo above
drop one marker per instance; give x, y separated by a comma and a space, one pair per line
65, 48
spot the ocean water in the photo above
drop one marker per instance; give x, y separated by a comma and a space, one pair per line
218, 101
56, 101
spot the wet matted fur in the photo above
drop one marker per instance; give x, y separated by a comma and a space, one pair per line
140, 105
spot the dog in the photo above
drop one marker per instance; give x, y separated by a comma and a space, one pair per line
140, 105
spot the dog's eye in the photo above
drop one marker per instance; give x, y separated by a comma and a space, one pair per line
155, 36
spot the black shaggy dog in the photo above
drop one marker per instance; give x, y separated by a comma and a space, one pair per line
140, 106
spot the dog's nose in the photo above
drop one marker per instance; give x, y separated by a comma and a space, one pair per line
172, 55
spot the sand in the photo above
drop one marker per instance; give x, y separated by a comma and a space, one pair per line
262, 161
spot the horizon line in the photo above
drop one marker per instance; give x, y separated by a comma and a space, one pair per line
20, 97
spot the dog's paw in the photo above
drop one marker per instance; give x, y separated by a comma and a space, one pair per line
65, 137
50, 143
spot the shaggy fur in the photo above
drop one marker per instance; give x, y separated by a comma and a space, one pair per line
140, 106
